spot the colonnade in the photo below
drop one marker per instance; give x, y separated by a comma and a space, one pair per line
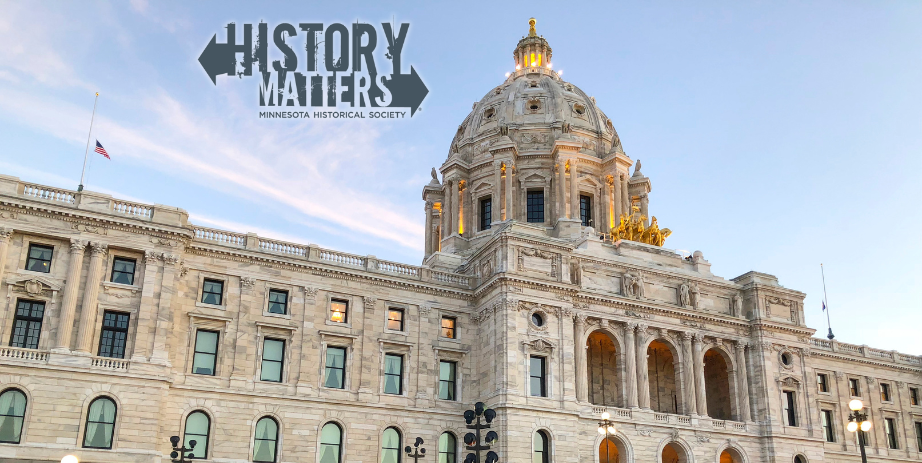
689, 352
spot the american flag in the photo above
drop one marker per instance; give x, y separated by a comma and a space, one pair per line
101, 150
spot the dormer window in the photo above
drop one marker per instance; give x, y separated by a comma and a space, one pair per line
532, 84
579, 109
533, 105
489, 113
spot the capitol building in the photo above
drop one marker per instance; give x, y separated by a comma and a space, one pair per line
548, 291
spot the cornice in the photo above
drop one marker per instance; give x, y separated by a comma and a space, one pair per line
864, 360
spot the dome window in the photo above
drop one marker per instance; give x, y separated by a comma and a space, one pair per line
532, 84
579, 109
533, 105
498, 90
489, 113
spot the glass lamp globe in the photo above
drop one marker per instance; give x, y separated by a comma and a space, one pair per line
852, 426
865, 426
70, 459
606, 415
601, 430
611, 430
855, 405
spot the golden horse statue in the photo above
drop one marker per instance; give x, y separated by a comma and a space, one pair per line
631, 227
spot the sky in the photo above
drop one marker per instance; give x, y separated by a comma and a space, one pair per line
777, 135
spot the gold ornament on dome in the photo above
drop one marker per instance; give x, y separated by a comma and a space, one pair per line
631, 227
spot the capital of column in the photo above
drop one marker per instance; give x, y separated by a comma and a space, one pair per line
77, 245
579, 318
740, 344
97, 248
170, 259
630, 326
642, 327
151, 256
5, 233
687, 335
697, 337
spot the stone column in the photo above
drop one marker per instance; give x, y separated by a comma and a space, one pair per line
69, 300
688, 374
700, 397
428, 231
496, 206
604, 219
164, 311
5, 235
147, 312
742, 378
643, 375
630, 365
617, 208
645, 207
455, 207
561, 188
446, 209
582, 372
90, 298
574, 191
625, 197
509, 196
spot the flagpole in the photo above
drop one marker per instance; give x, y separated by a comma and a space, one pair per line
88, 136
826, 304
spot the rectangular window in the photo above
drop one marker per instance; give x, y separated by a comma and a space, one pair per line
448, 327
39, 258
334, 374
914, 399
212, 292
827, 426
123, 270
585, 210
114, 334
537, 376
447, 371
885, 392
278, 301
918, 426
393, 374
890, 429
27, 324
395, 319
535, 206
206, 352
853, 387
822, 383
339, 311
790, 412
486, 213
273, 359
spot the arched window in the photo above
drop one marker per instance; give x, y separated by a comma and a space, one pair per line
447, 446
198, 429
266, 441
100, 424
800, 459
390, 446
12, 413
540, 453
331, 443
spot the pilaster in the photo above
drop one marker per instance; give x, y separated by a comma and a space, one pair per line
90, 298
69, 299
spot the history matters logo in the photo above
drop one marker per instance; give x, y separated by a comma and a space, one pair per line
336, 69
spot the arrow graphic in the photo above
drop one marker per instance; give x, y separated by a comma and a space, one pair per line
217, 58
408, 90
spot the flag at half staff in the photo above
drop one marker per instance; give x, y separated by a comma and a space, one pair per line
101, 150
824, 306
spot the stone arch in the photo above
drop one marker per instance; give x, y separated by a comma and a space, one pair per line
730, 452
719, 379
674, 450
621, 449
604, 365
279, 432
664, 376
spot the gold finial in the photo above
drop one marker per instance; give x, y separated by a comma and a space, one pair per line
531, 27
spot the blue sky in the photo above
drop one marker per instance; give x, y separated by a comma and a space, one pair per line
778, 135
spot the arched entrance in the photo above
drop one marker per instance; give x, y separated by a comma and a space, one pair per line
731, 455
673, 453
717, 385
602, 363
662, 376
610, 451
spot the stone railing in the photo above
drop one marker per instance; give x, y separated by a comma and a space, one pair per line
864, 351
47, 193
23, 354
135, 209
614, 412
108, 363
312, 253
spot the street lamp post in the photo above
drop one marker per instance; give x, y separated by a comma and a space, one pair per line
415, 452
473, 441
180, 451
856, 420
607, 428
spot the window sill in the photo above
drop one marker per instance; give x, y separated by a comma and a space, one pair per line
401, 333
34, 272
329, 322
132, 288
286, 316
211, 306
444, 339
333, 389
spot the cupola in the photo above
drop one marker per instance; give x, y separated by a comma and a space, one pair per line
532, 51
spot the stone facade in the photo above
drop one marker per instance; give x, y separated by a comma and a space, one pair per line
692, 367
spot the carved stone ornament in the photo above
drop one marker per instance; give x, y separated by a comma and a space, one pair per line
5, 233
370, 302
90, 229
310, 295
33, 287
170, 259
425, 309
536, 260
539, 345
675, 434
98, 249
645, 432
703, 438
789, 382
163, 241
869, 380
247, 282
77, 245
151, 256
